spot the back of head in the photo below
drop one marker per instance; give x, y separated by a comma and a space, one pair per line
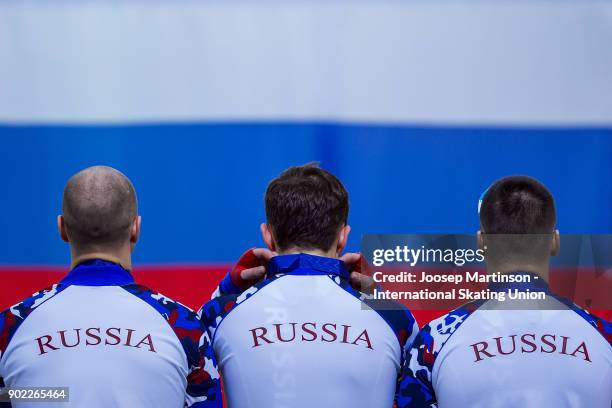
518, 217
306, 207
99, 207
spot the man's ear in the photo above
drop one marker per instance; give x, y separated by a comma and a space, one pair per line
135, 230
342, 239
555, 245
266, 234
480, 240
61, 228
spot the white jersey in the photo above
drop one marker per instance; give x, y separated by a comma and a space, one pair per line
303, 338
112, 342
482, 356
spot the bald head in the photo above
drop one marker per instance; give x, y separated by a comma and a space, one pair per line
99, 206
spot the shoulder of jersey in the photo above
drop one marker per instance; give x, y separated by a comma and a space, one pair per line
396, 315
14, 316
182, 319
202, 375
214, 311
202, 372
435, 334
604, 327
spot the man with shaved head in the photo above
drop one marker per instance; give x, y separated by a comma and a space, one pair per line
100, 216
100, 213
110, 341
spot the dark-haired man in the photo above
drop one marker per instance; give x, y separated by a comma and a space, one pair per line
110, 341
303, 337
526, 353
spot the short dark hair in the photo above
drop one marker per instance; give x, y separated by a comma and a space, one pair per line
99, 206
306, 207
518, 217
518, 205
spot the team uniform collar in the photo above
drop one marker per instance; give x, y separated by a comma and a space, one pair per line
98, 272
306, 264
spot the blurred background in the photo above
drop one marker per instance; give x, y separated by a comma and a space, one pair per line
417, 106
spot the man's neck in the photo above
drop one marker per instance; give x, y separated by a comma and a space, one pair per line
125, 260
542, 270
316, 252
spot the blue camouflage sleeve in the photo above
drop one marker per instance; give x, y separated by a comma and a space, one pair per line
416, 389
203, 382
406, 346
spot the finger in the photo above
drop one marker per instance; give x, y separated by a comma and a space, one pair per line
352, 260
264, 254
252, 274
350, 257
363, 283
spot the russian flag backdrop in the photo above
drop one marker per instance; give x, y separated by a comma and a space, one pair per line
417, 106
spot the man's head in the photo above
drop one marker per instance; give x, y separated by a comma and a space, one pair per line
306, 210
517, 220
99, 211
